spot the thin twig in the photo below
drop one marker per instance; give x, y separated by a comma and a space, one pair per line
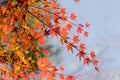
54, 14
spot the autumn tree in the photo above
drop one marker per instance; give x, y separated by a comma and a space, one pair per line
25, 25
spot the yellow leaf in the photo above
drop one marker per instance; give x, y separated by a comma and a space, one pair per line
63, 39
17, 69
22, 57
14, 2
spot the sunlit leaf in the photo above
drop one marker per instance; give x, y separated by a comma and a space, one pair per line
73, 16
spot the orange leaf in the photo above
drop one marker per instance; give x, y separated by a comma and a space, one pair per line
32, 74
86, 61
82, 46
75, 39
40, 27
85, 34
69, 47
47, 17
53, 1
41, 41
68, 26
79, 30
43, 64
37, 53
32, 32
87, 25
55, 6
63, 39
81, 54
64, 32
61, 76
62, 11
76, 1
61, 68
55, 32
70, 78
38, 35
73, 16
3, 9
92, 55
95, 62
45, 51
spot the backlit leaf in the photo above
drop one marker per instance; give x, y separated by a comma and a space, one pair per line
32, 74
69, 47
75, 39
76, 1
79, 30
73, 16
95, 62
61, 68
86, 61
87, 25
81, 54
82, 46
92, 54
41, 41
85, 34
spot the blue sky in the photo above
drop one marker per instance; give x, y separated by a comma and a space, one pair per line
104, 37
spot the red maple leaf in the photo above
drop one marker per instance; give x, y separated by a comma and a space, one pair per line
70, 78
54, 32
64, 32
92, 54
95, 62
69, 47
68, 26
32, 74
76, 1
37, 53
73, 16
61, 76
86, 61
61, 68
55, 5
75, 39
62, 11
82, 46
53, 1
41, 41
87, 25
81, 54
79, 30
45, 51
85, 34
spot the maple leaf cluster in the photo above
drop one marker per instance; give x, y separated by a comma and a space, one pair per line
24, 27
